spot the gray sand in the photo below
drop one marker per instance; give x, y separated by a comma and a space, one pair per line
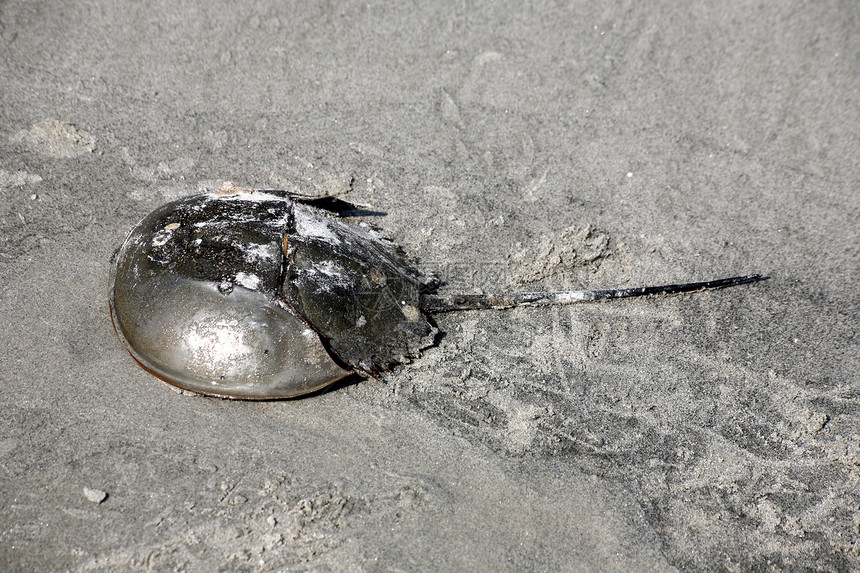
588, 146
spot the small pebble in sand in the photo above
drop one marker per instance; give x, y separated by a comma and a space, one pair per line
95, 495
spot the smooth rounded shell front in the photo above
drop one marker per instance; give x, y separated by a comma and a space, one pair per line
195, 301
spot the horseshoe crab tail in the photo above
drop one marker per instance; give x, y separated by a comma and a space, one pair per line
432, 304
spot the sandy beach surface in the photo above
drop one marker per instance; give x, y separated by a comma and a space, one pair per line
508, 147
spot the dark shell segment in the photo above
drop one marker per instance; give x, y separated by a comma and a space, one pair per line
228, 239
358, 290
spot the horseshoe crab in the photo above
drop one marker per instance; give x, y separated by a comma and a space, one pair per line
258, 294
